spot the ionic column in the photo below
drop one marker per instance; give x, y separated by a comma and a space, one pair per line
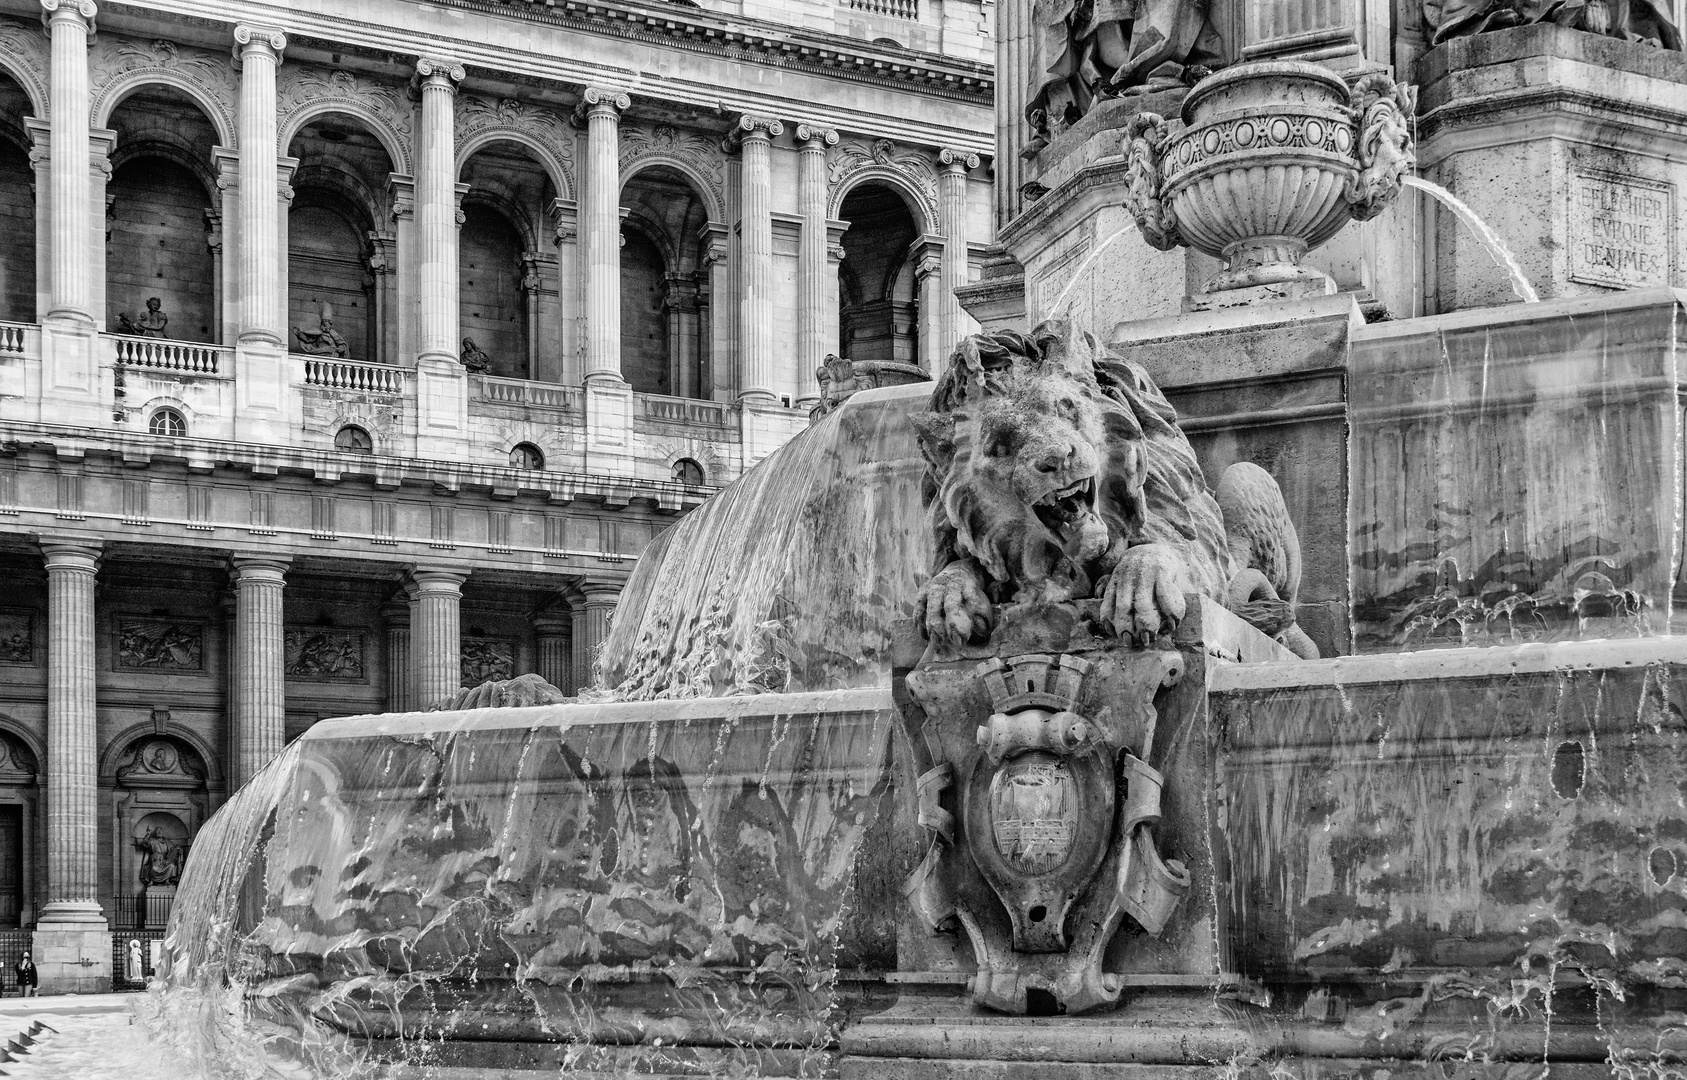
531, 280
436, 210
928, 278
602, 225
262, 288
260, 688
952, 320
556, 648
681, 302
72, 736
592, 610
69, 23
754, 135
812, 278
436, 636
399, 678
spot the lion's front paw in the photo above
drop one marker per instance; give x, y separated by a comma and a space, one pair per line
953, 606
1145, 593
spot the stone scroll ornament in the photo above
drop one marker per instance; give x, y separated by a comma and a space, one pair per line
1263, 127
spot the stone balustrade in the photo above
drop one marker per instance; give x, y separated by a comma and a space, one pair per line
525, 392
16, 338
162, 354
354, 375
685, 410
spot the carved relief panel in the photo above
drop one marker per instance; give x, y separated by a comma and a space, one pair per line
17, 637
318, 654
487, 659
159, 644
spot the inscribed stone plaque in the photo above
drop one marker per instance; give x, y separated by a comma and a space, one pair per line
1621, 229
487, 659
317, 654
17, 637
160, 645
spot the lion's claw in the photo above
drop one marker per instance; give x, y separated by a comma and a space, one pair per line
1145, 593
954, 608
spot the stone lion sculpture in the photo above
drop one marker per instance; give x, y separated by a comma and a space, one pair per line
1056, 471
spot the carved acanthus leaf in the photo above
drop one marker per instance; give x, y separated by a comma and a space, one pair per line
664, 140
26, 44
916, 168
300, 87
115, 58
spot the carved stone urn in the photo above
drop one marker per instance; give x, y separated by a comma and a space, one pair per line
1273, 158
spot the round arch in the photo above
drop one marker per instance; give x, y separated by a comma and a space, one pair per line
653, 232
112, 95
10, 725
353, 197
699, 186
548, 158
124, 740
33, 87
398, 151
921, 205
171, 152
506, 208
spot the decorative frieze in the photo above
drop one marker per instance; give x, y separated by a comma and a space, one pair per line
17, 637
120, 63
377, 104
909, 170
482, 119
161, 645
698, 156
25, 46
487, 660
317, 654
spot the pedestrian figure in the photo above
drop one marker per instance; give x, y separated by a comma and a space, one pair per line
27, 977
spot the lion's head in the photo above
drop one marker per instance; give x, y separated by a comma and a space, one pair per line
1035, 470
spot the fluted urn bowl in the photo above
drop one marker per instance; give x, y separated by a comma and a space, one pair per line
1261, 171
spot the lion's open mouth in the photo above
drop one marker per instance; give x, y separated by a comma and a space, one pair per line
1062, 507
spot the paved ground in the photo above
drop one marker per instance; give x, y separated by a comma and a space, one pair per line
88, 1037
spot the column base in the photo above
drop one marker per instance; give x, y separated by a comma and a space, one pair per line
71, 947
72, 390
265, 394
609, 425
442, 408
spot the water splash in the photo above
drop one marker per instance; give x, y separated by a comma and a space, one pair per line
1484, 233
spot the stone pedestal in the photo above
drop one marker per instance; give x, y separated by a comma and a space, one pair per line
1572, 146
1268, 384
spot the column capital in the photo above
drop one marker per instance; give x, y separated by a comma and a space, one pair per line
811, 137
254, 40
554, 624
81, 12
66, 553
439, 72
401, 191
599, 593
437, 581
957, 160
601, 101
750, 127
259, 568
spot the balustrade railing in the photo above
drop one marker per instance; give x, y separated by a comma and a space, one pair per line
525, 392
13, 337
353, 375
163, 354
895, 9
677, 410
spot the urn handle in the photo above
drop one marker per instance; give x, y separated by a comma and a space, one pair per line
1382, 140
1146, 138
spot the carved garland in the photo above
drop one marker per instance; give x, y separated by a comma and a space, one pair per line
120, 63
300, 89
665, 141
26, 46
520, 122
912, 168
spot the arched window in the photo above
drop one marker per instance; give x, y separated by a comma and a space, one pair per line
527, 456
354, 440
688, 472
167, 422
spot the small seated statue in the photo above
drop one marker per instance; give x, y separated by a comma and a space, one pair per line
324, 342
151, 324
475, 358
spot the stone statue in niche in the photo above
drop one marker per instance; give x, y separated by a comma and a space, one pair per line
1084, 50
326, 341
1056, 472
150, 323
1646, 21
161, 858
475, 358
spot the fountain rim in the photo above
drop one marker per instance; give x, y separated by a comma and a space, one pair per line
601, 713
1250, 70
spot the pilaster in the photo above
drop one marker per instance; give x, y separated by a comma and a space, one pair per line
72, 928
753, 136
436, 642
952, 323
813, 281
260, 690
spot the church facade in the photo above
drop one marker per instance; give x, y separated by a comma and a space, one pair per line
350, 353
